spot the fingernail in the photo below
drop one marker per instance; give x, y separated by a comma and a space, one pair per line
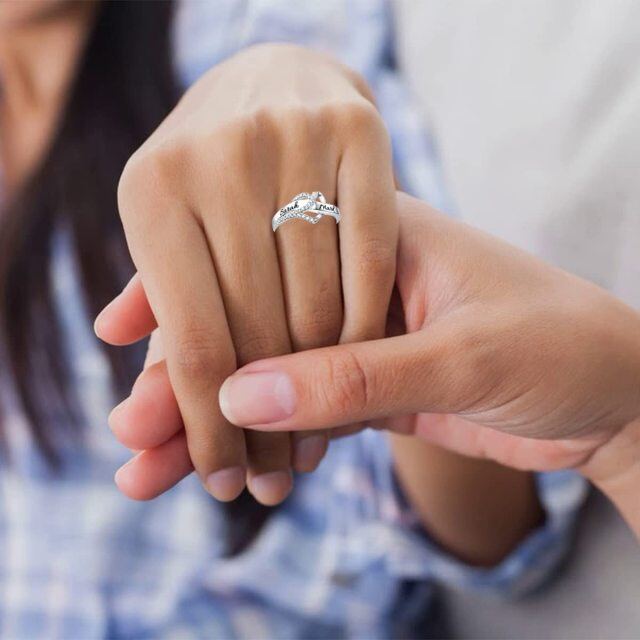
271, 488
308, 452
100, 317
122, 471
257, 398
226, 484
115, 412
137, 380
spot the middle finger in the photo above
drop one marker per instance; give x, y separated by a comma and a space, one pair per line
247, 267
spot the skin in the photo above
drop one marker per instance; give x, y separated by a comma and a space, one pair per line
34, 81
476, 508
483, 369
476, 364
241, 292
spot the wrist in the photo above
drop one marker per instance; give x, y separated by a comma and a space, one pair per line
615, 470
475, 508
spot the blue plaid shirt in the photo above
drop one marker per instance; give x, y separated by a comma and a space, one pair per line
81, 561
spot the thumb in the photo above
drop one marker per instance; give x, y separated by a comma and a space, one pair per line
128, 317
340, 385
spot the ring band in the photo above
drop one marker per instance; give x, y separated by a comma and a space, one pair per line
306, 206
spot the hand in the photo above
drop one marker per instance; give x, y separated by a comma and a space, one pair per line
502, 357
196, 202
494, 354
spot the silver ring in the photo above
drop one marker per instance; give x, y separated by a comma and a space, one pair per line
306, 206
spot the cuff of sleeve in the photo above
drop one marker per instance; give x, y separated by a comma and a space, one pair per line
562, 493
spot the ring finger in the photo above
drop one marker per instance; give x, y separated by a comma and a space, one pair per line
310, 266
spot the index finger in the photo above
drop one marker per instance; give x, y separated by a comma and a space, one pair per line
179, 279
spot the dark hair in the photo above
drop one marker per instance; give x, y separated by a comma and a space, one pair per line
124, 86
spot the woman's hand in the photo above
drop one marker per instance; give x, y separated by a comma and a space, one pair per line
196, 202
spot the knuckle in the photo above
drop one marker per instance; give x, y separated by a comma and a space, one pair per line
257, 342
360, 117
349, 386
146, 173
197, 356
320, 328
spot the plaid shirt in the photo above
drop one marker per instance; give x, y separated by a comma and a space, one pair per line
81, 561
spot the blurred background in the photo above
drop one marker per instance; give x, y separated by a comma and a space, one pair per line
534, 106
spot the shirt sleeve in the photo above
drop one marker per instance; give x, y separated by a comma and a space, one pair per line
410, 553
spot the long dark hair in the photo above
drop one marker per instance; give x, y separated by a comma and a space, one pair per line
124, 86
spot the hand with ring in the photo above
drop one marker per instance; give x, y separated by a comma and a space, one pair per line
274, 128
511, 360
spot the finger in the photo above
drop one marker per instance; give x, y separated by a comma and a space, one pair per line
310, 266
154, 471
150, 415
127, 318
249, 277
367, 250
309, 448
175, 264
368, 230
353, 383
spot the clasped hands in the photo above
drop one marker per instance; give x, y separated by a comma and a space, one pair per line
294, 336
